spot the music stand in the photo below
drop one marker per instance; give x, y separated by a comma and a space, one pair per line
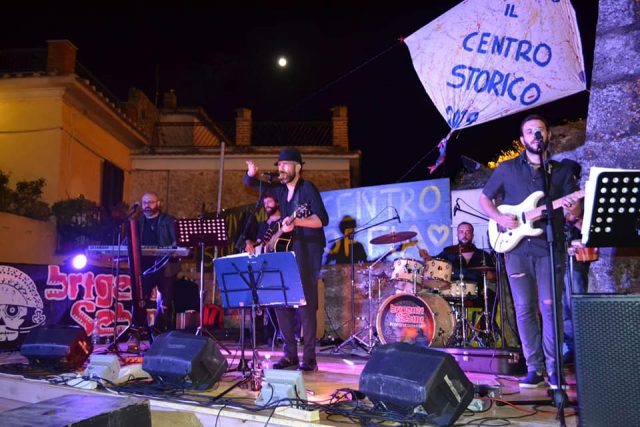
612, 203
270, 279
201, 232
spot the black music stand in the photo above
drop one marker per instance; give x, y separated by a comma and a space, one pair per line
612, 203
202, 232
270, 279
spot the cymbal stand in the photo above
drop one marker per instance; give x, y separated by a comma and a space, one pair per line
462, 287
368, 328
484, 336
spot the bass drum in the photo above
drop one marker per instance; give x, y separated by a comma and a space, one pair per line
401, 316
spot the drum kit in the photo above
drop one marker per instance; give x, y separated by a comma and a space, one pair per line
416, 301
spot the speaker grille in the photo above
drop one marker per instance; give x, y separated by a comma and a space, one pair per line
185, 360
404, 377
57, 346
607, 339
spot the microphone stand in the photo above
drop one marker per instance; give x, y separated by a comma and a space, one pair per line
559, 396
459, 209
350, 236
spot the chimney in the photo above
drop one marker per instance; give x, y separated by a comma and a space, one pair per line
243, 126
170, 100
61, 57
340, 131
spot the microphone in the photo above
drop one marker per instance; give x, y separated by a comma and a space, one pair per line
397, 216
537, 134
133, 210
270, 174
456, 208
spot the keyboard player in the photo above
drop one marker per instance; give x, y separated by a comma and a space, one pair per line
157, 228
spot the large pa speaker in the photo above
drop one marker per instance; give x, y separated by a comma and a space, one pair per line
405, 377
63, 347
606, 336
185, 360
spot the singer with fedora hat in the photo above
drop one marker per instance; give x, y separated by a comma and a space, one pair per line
308, 241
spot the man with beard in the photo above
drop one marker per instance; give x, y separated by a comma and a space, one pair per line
471, 256
308, 242
267, 227
527, 264
157, 228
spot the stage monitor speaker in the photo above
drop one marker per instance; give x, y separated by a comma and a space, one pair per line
606, 336
407, 378
64, 347
185, 360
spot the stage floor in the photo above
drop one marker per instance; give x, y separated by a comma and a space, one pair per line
336, 371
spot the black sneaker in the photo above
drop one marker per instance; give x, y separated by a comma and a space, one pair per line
309, 366
532, 380
285, 363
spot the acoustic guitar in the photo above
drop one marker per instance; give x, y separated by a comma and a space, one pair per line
279, 241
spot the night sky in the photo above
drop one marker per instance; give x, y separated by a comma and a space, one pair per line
222, 55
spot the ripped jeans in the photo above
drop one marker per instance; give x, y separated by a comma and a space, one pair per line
530, 283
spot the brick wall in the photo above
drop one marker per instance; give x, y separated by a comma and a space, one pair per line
61, 57
183, 192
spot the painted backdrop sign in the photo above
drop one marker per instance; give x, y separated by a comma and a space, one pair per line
34, 295
422, 206
486, 59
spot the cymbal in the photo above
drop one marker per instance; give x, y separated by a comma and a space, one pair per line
400, 236
456, 249
482, 268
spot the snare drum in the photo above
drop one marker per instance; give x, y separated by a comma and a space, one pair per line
456, 289
438, 274
407, 270
401, 316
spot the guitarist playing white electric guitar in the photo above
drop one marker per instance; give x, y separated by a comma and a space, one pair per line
516, 182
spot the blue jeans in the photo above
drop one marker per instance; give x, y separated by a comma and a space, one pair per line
530, 283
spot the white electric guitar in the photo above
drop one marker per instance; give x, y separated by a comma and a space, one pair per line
503, 240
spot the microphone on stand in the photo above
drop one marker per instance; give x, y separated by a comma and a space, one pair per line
456, 208
133, 210
397, 216
270, 175
537, 134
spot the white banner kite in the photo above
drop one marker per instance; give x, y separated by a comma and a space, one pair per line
486, 59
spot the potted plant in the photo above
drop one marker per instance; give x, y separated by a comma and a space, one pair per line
77, 221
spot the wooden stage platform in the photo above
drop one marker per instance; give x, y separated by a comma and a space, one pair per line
336, 371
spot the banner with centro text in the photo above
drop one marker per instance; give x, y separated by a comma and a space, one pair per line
420, 207
485, 59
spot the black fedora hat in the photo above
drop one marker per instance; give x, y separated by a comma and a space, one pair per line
289, 154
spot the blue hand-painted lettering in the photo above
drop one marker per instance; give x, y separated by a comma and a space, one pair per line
493, 82
519, 50
456, 117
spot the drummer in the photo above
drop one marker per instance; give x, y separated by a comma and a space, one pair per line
465, 251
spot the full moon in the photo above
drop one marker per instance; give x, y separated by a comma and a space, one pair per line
282, 61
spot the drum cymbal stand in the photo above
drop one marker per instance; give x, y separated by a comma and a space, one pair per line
463, 323
484, 337
365, 337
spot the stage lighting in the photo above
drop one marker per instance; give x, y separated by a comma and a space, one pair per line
79, 261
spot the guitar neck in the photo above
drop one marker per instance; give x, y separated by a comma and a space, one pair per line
537, 213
